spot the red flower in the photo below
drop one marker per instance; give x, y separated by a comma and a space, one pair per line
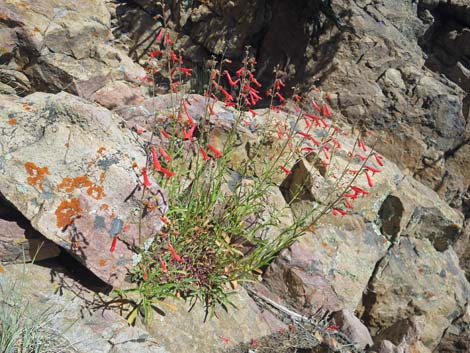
325, 111
160, 35
145, 275
167, 172
163, 265
188, 135
156, 163
204, 154
214, 150
211, 110
168, 39
348, 204
285, 170
164, 154
225, 339
113, 244
372, 169
165, 134
185, 70
174, 254
147, 182
229, 79
378, 158
315, 105
278, 84
338, 212
190, 119
362, 157
155, 53
332, 328
369, 179
359, 190
281, 98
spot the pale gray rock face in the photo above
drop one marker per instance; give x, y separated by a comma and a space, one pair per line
64, 306
69, 168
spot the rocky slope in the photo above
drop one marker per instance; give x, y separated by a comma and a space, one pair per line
70, 90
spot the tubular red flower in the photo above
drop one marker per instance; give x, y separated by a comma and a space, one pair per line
188, 135
351, 196
278, 84
362, 157
359, 190
253, 113
369, 179
254, 80
156, 163
325, 111
280, 96
185, 70
214, 150
145, 274
174, 254
314, 118
204, 154
163, 265
378, 158
229, 79
372, 169
155, 53
315, 105
160, 35
113, 244
348, 204
147, 182
285, 170
339, 212
239, 72
168, 39
167, 172
211, 110
165, 134
164, 154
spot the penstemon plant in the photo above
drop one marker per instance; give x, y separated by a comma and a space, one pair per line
220, 228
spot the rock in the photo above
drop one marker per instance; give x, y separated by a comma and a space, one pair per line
68, 48
229, 327
74, 173
425, 215
414, 279
318, 270
353, 328
117, 94
64, 307
456, 339
19, 242
14, 79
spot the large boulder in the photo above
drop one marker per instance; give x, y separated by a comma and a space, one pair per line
415, 280
66, 48
71, 170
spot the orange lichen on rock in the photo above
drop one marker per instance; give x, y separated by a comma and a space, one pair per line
70, 184
96, 192
36, 174
102, 262
102, 177
104, 207
101, 150
12, 121
67, 212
